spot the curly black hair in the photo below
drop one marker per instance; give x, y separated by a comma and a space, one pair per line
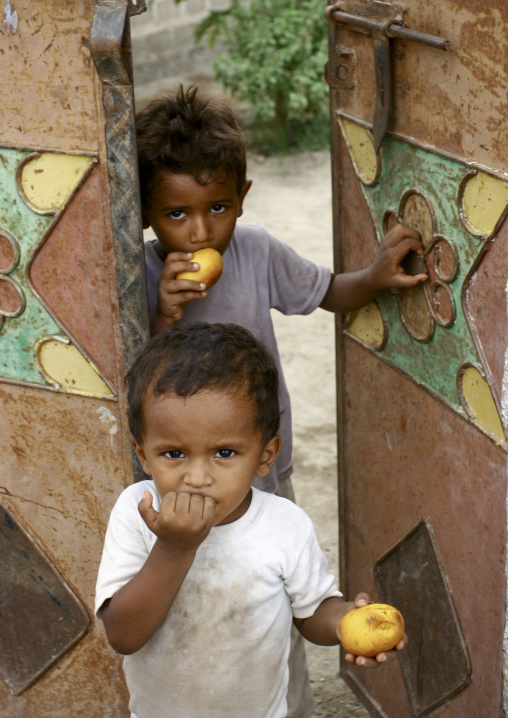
199, 356
187, 134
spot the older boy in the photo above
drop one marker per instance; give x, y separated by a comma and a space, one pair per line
192, 164
202, 575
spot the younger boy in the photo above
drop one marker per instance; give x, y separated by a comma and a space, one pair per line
192, 165
202, 575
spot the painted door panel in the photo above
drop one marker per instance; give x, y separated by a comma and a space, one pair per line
421, 372
72, 315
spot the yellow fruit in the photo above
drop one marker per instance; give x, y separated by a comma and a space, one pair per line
210, 267
372, 629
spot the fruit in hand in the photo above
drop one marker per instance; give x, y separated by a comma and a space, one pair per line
210, 267
372, 629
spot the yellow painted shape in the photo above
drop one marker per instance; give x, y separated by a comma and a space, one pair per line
47, 181
484, 202
417, 215
367, 325
361, 149
479, 399
64, 366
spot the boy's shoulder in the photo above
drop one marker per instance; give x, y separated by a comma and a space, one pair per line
128, 500
281, 513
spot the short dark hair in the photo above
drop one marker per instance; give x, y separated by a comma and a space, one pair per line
183, 361
187, 134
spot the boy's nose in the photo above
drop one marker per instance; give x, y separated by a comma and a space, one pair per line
198, 476
200, 231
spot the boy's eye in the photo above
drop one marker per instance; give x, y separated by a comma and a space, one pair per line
177, 214
218, 208
225, 453
174, 454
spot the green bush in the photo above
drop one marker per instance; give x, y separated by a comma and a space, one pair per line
275, 55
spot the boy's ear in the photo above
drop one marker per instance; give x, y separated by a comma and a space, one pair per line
246, 188
270, 453
141, 456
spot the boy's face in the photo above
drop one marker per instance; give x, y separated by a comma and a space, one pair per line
187, 216
205, 444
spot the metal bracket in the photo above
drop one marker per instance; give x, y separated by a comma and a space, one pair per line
339, 70
110, 42
384, 21
136, 7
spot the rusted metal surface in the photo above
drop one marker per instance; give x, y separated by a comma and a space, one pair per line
111, 29
431, 314
412, 448
65, 457
384, 21
40, 618
432, 89
48, 96
62, 469
421, 460
411, 576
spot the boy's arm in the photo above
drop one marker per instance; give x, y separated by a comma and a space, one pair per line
322, 628
353, 290
138, 609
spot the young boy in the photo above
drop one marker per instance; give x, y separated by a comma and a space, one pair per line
202, 575
192, 165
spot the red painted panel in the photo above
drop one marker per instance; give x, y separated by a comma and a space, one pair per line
486, 301
72, 275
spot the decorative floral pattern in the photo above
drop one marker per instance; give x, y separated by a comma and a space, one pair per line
12, 299
431, 303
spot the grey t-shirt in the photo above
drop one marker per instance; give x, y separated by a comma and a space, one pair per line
260, 273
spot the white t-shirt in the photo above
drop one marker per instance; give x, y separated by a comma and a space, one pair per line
222, 650
260, 273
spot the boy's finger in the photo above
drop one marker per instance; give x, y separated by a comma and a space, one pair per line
171, 269
362, 661
209, 509
146, 509
182, 285
196, 505
406, 281
362, 599
182, 502
173, 257
398, 234
406, 245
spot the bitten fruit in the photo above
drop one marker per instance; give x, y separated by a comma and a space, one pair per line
369, 630
210, 267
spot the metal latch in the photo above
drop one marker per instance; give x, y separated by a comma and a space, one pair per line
384, 21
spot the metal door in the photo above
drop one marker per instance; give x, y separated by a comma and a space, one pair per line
419, 104
72, 314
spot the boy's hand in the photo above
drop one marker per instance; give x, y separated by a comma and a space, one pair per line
173, 294
184, 520
387, 271
363, 599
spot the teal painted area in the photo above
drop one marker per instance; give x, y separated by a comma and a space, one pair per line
406, 167
18, 335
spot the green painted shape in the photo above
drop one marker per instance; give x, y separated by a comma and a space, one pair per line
18, 335
405, 167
